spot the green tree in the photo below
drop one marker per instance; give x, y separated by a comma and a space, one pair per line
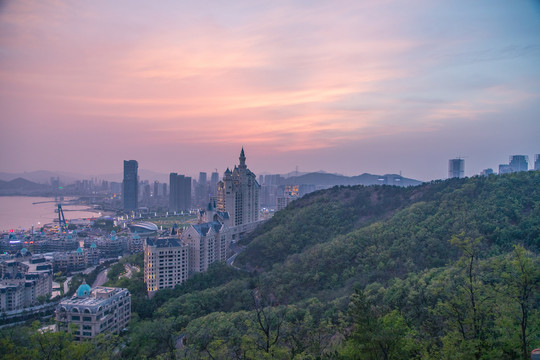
377, 337
520, 280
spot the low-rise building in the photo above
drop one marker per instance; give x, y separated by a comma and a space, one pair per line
23, 281
92, 312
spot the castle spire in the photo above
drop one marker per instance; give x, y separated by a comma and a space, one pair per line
242, 158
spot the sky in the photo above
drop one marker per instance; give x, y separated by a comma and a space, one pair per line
345, 87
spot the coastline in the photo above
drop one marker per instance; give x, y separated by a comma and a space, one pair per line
24, 212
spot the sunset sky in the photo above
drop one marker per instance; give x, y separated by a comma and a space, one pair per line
343, 86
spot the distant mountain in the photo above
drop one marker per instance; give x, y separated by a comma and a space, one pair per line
20, 186
321, 178
43, 176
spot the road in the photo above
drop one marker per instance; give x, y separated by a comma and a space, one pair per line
101, 278
237, 249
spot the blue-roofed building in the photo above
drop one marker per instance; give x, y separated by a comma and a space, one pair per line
84, 290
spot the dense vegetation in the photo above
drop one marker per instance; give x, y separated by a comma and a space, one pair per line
445, 270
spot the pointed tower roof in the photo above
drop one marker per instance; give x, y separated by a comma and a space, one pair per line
242, 158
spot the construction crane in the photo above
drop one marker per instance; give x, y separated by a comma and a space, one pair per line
62, 225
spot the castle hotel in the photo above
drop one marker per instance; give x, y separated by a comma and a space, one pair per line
235, 211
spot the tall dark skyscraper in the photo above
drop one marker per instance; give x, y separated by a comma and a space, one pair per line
179, 192
456, 168
130, 189
214, 179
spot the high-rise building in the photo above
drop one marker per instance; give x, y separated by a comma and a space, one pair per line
519, 163
214, 179
165, 263
456, 168
155, 193
201, 191
179, 192
239, 194
130, 185
537, 162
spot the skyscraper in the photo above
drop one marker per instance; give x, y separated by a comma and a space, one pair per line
519, 163
201, 191
130, 189
214, 179
537, 162
456, 168
179, 192
239, 194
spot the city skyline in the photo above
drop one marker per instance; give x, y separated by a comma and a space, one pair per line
348, 87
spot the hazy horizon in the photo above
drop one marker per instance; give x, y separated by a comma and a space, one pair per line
346, 87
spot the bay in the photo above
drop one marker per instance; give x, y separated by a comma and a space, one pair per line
20, 212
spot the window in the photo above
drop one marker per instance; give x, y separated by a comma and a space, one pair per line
87, 318
75, 318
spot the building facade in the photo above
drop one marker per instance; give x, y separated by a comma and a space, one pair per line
239, 194
130, 190
519, 163
456, 168
165, 263
22, 281
179, 192
92, 312
208, 242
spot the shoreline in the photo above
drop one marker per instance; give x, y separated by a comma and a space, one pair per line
20, 213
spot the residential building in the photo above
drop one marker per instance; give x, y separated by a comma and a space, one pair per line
208, 242
92, 312
23, 280
165, 263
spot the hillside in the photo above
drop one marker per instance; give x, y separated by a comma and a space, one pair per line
447, 269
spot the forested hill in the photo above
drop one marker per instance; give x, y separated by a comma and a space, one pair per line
444, 270
404, 228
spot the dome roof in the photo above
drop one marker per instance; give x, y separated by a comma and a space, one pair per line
143, 227
79, 250
84, 290
93, 246
24, 251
